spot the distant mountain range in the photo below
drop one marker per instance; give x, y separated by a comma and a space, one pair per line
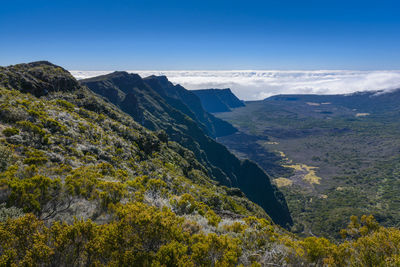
371, 101
258, 84
218, 100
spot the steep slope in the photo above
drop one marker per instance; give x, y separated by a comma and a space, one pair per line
134, 96
73, 126
192, 106
218, 100
66, 153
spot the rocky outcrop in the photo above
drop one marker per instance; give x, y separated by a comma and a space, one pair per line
192, 106
38, 78
218, 100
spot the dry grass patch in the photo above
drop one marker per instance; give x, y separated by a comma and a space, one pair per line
281, 182
310, 175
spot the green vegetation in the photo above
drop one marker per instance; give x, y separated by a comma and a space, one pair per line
356, 156
10, 131
141, 235
82, 184
5, 157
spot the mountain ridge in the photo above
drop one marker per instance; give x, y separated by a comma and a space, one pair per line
215, 127
373, 101
218, 100
157, 114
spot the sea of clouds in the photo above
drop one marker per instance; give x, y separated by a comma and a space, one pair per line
259, 84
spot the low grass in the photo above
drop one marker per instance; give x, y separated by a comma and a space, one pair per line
282, 182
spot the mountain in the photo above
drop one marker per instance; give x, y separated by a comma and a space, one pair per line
86, 184
83, 184
175, 95
370, 101
218, 100
147, 101
38, 78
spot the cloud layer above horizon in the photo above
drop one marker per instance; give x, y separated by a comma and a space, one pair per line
256, 85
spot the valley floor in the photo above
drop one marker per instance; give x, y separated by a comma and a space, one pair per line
328, 160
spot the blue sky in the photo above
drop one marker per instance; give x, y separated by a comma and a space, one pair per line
212, 35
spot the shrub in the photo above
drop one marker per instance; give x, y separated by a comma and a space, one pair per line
213, 219
156, 185
33, 128
9, 213
139, 232
12, 114
75, 245
360, 227
214, 250
317, 248
23, 242
31, 194
35, 157
54, 126
82, 182
236, 227
111, 192
5, 157
185, 204
65, 104
10, 131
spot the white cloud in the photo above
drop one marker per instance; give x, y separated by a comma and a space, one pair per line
254, 85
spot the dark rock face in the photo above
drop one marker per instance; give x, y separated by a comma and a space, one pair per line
218, 100
119, 88
157, 104
192, 107
38, 78
262, 192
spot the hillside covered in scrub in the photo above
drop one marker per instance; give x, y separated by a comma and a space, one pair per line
157, 104
82, 183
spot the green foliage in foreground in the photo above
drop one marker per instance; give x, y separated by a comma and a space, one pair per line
132, 193
140, 235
